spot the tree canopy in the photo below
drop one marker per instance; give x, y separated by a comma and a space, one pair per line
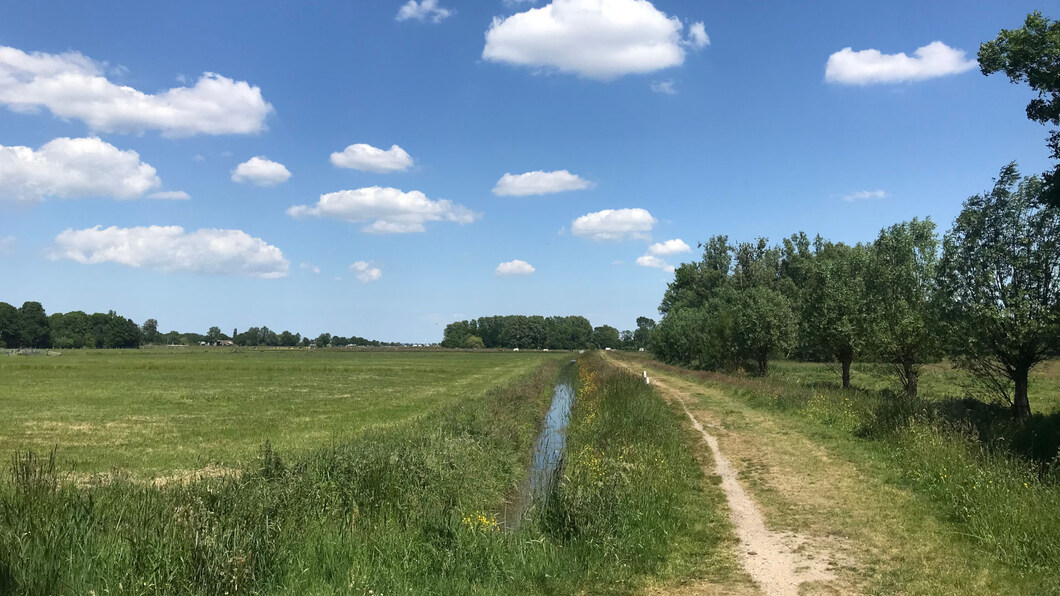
1031, 54
1000, 276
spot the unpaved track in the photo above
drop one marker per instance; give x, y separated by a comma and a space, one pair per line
780, 563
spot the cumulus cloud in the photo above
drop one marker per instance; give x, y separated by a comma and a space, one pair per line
596, 39
365, 272
310, 267
372, 159
170, 195
74, 168
515, 267
260, 171
614, 224
424, 10
665, 87
865, 67
670, 247
861, 195
539, 183
697, 36
389, 210
7, 246
656, 262
171, 249
73, 86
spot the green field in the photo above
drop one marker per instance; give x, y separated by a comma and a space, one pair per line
168, 412
360, 494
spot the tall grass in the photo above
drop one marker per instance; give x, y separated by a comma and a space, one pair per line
408, 508
631, 493
996, 480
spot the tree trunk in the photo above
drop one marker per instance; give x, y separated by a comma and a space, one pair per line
763, 363
1021, 406
846, 372
911, 377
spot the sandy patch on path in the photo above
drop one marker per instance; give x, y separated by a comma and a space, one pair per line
781, 563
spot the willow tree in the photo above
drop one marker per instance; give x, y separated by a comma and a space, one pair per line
1031, 54
1000, 277
836, 305
901, 284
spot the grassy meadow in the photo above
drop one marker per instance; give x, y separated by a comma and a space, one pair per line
172, 411
938, 381
406, 506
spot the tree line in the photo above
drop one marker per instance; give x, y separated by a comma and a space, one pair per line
31, 327
539, 332
987, 295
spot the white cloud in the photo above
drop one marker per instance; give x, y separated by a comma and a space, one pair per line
170, 195
73, 86
515, 267
198, 158
372, 159
654, 261
365, 272
260, 171
171, 249
865, 194
390, 210
596, 39
697, 36
7, 246
614, 224
310, 267
74, 168
666, 87
539, 183
670, 247
866, 67
424, 10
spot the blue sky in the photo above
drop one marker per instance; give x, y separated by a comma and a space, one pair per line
651, 122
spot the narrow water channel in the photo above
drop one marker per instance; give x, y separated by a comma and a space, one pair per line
548, 449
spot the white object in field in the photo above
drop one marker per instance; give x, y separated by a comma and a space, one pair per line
647, 381
515, 349
641, 350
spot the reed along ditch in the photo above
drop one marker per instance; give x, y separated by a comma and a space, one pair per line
548, 455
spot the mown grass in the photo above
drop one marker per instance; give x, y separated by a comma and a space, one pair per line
165, 412
408, 508
994, 480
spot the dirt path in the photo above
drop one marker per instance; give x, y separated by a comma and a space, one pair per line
778, 562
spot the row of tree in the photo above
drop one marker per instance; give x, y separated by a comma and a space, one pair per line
30, 327
538, 332
987, 296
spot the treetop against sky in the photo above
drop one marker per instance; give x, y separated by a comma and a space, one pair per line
385, 168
